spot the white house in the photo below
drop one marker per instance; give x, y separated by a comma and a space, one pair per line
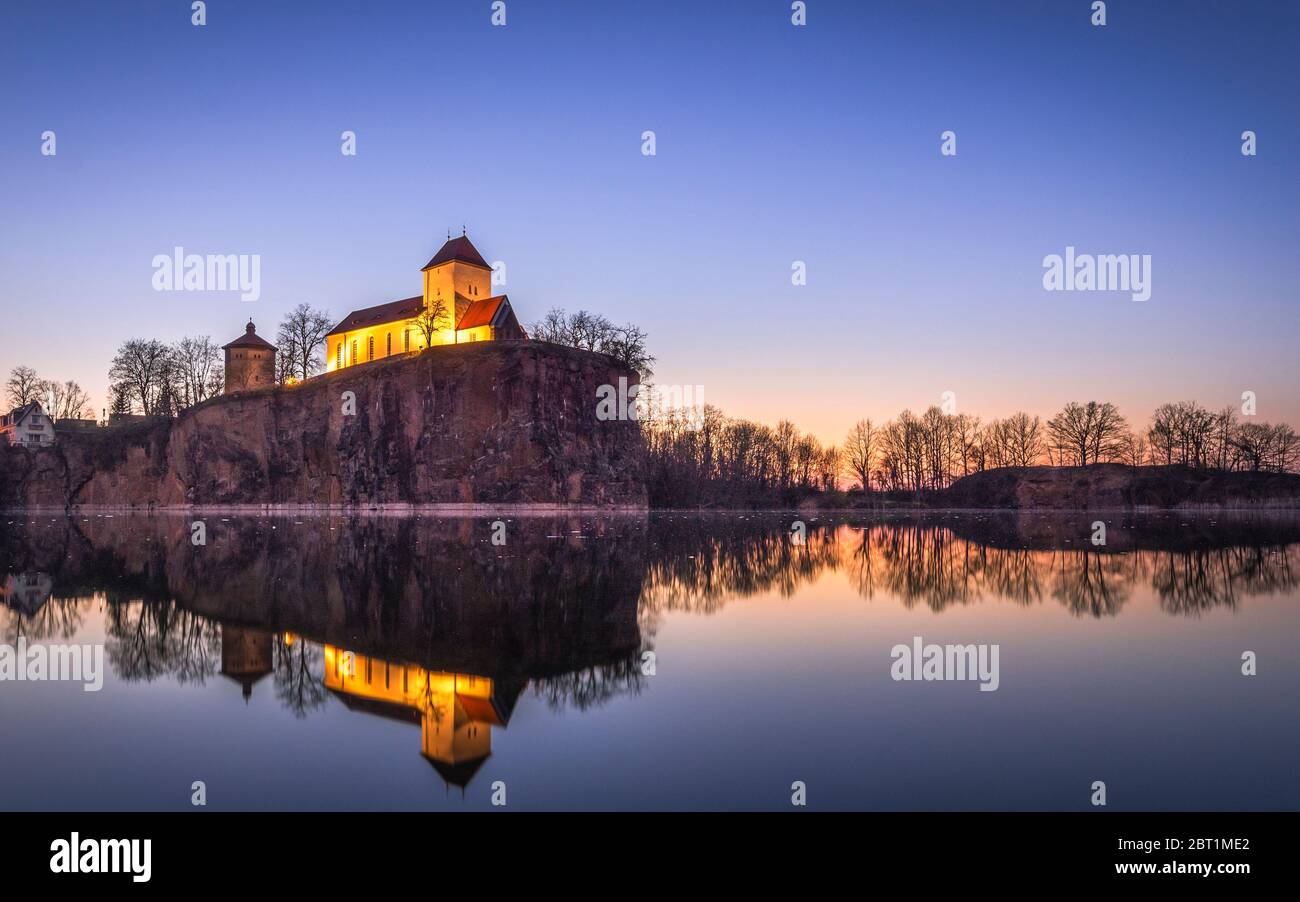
28, 426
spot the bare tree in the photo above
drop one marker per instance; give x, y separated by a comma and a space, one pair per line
965, 444
627, 344
1084, 434
1020, 438
23, 386
284, 367
861, 448
143, 368
1134, 449
431, 320
196, 370
593, 332
1253, 442
1264, 446
1187, 433
829, 468
302, 339
65, 400
553, 328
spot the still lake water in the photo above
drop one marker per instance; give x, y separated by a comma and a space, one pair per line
410, 663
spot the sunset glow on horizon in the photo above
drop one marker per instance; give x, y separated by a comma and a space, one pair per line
818, 145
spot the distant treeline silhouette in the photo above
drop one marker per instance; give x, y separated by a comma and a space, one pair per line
704, 458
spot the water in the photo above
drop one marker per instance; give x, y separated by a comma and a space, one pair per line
402, 663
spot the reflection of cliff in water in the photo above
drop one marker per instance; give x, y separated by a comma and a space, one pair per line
555, 607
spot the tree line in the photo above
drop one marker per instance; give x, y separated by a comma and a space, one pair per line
928, 452
593, 332
64, 400
155, 378
702, 456
705, 457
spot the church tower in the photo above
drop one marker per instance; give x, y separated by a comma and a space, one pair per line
456, 277
250, 362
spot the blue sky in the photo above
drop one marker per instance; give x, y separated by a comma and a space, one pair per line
775, 143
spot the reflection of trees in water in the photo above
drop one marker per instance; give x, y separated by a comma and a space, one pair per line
1196, 581
928, 563
298, 671
1092, 584
57, 618
923, 564
716, 569
1014, 575
152, 639
591, 686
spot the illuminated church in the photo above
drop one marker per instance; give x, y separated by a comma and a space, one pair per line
456, 711
458, 296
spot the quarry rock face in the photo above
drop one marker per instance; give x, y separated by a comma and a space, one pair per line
486, 423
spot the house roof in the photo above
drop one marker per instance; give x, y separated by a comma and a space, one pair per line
18, 414
250, 339
460, 250
405, 309
483, 313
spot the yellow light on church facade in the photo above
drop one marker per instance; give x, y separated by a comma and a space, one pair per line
456, 711
457, 292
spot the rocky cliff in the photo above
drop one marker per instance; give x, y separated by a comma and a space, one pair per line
500, 423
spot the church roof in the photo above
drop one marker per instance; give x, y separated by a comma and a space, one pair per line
482, 313
479, 313
458, 249
457, 774
250, 339
405, 309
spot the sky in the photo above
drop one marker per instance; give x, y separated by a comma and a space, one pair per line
774, 143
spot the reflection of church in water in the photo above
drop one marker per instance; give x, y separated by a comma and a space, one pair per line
456, 712
245, 655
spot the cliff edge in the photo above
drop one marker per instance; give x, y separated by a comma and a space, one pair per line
485, 423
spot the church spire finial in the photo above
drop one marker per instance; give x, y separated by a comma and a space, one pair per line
463, 230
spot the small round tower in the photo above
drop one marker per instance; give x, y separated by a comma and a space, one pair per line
250, 362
